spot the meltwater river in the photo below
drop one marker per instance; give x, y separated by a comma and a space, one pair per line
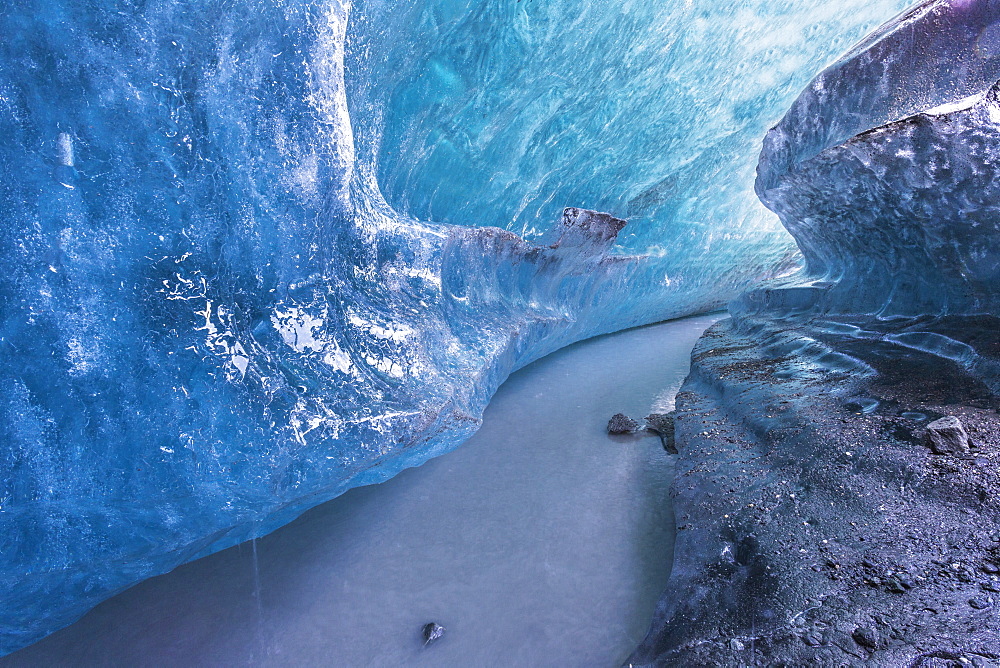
540, 542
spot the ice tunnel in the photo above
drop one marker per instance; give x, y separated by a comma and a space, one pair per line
258, 252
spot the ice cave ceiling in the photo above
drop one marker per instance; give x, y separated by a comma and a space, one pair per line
258, 252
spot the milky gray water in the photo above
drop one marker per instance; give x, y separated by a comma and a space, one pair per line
541, 542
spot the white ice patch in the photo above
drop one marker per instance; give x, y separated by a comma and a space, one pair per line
958, 105
298, 329
64, 149
422, 273
240, 359
185, 289
337, 359
303, 332
209, 327
386, 366
304, 177
84, 350
81, 357
313, 418
396, 332
220, 340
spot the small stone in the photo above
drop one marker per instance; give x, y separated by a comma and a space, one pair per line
432, 632
813, 639
895, 586
663, 425
981, 602
947, 436
990, 567
906, 580
736, 645
865, 637
622, 424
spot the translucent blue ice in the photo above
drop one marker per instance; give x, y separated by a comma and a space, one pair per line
247, 252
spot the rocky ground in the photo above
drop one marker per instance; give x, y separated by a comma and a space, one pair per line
816, 524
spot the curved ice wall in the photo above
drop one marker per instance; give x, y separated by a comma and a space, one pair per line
885, 168
210, 316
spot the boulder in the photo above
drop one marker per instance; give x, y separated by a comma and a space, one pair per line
622, 424
947, 436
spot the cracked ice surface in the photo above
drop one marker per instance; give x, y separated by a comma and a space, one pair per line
211, 317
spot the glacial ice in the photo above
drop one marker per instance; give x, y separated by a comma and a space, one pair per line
885, 172
256, 253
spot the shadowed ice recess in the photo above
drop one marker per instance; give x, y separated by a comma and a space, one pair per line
884, 168
257, 253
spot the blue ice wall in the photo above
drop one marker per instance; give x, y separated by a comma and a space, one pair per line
885, 168
257, 252
501, 113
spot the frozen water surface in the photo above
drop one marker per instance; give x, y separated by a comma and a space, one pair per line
541, 541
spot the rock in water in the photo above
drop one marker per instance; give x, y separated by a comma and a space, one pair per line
663, 425
622, 424
947, 436
432, 632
